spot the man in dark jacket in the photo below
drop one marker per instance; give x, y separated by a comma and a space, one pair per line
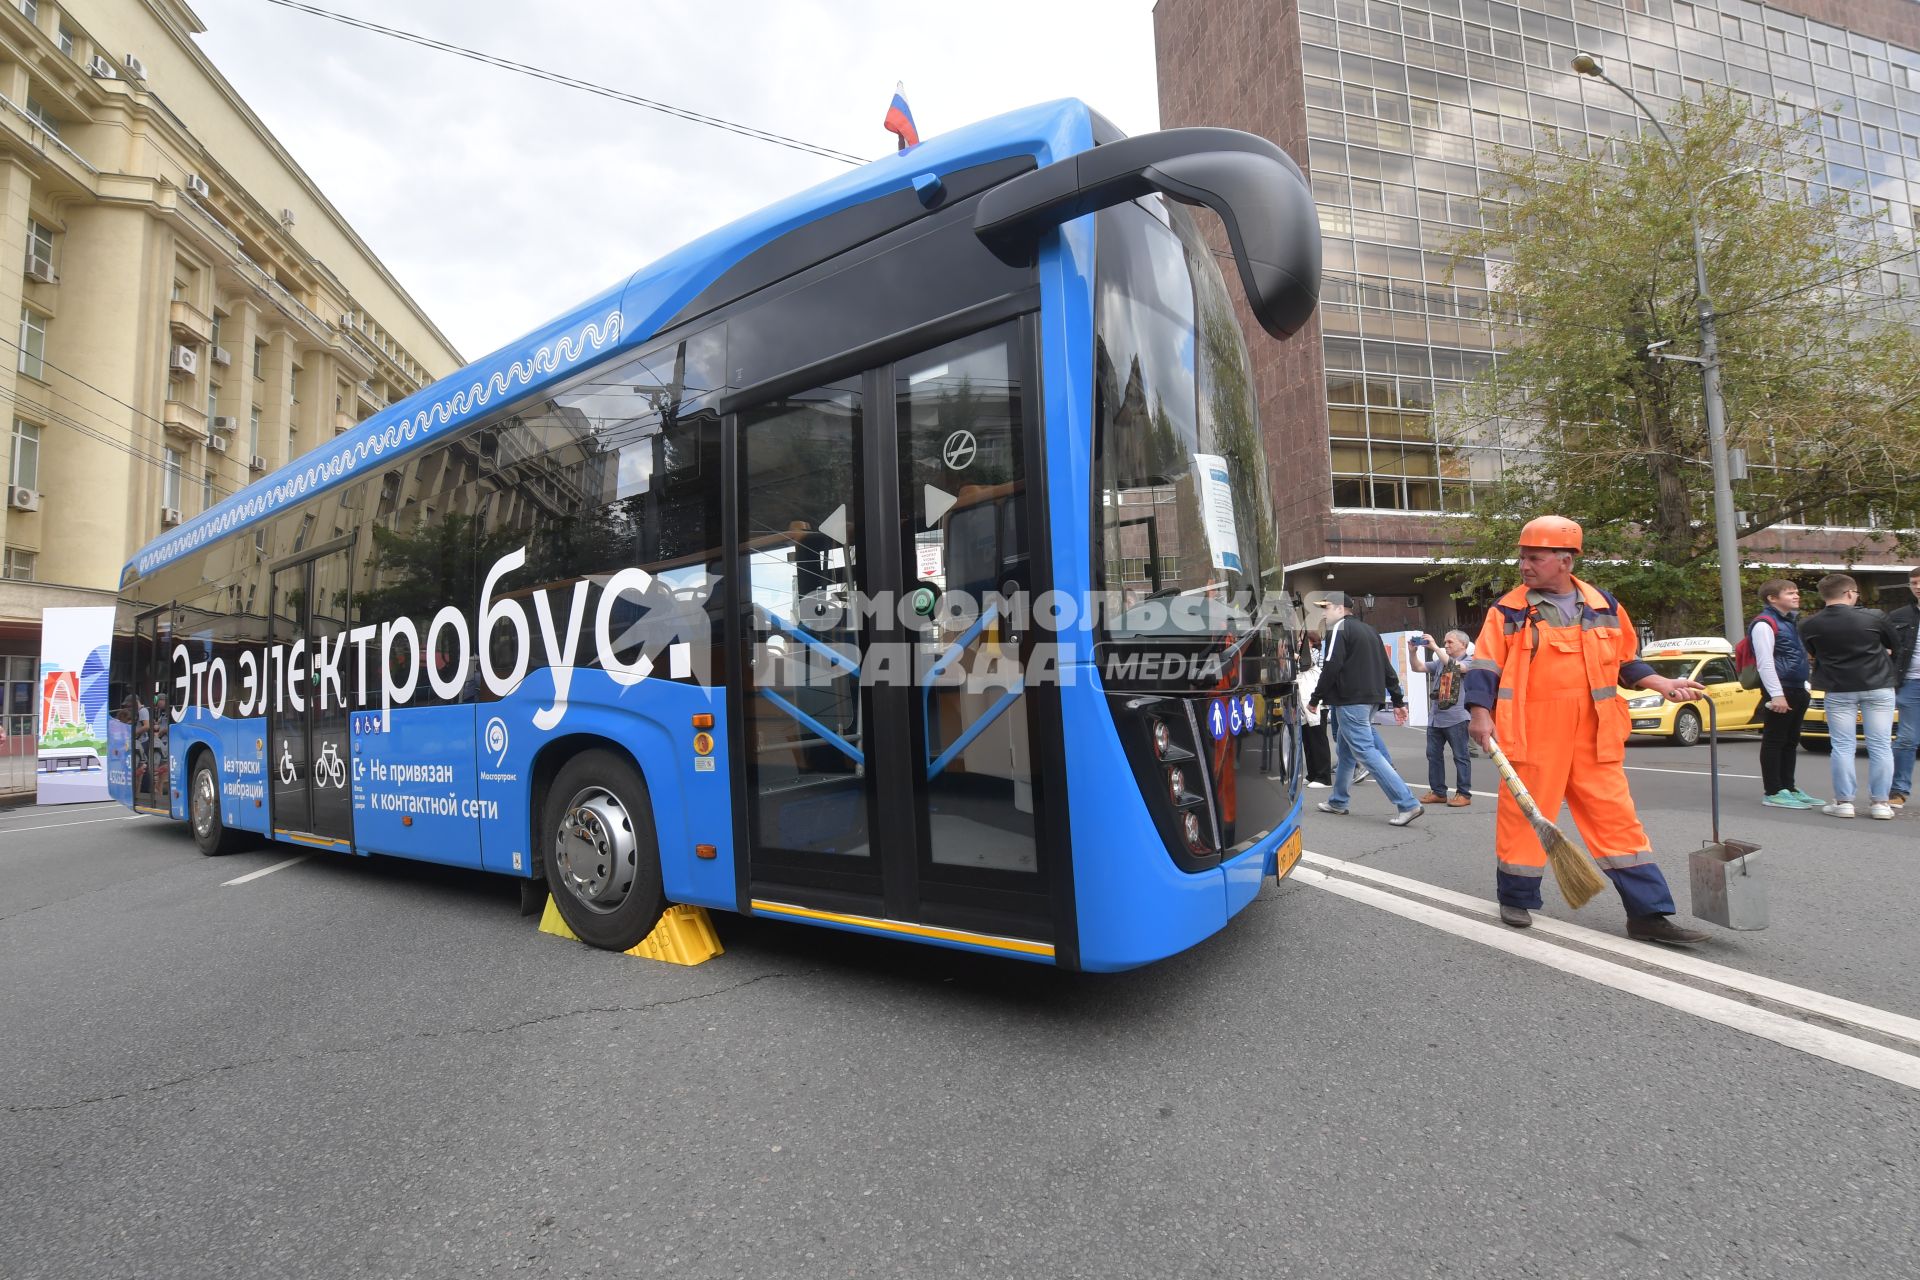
1906, 698
1852, 650
1354, 681
1780, 658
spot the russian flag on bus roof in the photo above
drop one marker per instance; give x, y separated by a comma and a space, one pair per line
900, 118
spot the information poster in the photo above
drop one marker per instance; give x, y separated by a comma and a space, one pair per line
74, 644
1413, 677
1216, 508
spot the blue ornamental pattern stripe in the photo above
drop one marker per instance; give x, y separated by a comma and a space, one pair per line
403, 433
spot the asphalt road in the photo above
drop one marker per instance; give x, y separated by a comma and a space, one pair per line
368, 1068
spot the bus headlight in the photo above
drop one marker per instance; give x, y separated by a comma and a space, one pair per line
1176, 785
1162, 738
1190, 827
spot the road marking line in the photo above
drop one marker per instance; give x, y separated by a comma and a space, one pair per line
1691, 773
266, 871
1847, 1051
84, 822
1863, 1016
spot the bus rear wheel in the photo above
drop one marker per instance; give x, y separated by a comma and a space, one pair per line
603, 860
203, 811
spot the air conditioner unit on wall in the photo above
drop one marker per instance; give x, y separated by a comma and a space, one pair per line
257, 463
217, 442
226, 424
184, 360
101, 69
169, 515
42, 270
198, 185
286, 217
136, 68
221, 356
21, 498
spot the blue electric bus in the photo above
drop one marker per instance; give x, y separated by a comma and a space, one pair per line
897, 559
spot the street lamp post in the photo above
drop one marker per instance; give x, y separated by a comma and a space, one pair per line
1725, 538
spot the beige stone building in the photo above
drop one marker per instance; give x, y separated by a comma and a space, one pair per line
192, 310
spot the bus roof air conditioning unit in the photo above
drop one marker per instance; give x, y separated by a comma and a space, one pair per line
169, 515
136, 68
184, 360
101, 69
198, 186
21, 498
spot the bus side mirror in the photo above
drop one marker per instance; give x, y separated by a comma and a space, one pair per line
1253, 185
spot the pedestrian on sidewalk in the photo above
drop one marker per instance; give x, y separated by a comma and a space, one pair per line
1544, 682
1354, 679
1780, 656
1906, 695
1446, 718
1852, 649
1313, 727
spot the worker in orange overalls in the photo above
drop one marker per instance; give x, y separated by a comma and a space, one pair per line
1544, 682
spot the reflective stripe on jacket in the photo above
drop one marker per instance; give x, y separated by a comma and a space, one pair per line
1516, 630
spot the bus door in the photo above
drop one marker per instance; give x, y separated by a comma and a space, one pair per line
308, 760
149, 715
890, 764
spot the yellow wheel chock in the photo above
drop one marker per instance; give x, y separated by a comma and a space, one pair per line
685, 935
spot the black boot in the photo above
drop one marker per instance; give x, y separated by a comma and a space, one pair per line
1663, 929
1517, 917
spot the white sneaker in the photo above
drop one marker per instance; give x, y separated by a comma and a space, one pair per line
1838, 808
1882, 810
1318, 786
1405, 816
1361, 773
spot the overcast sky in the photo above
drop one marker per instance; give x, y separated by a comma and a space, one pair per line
499, 201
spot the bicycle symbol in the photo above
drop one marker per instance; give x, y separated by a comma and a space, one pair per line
329, 770
288, 774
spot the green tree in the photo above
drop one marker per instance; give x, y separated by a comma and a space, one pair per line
1591, 260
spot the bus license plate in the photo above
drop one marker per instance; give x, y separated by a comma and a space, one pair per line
1289, 854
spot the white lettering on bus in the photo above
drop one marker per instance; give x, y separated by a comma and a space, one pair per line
278, 677
492, 613
559, 654
449, 618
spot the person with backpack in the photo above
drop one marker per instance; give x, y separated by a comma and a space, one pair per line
1773, 655
1447, 718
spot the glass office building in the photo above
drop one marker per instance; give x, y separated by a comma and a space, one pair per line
1397, 110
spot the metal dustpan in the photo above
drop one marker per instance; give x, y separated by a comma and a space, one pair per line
1725, 874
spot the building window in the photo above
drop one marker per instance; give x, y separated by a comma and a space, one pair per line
41, 118
19, 564
26, 455
33, 344
67, 43
213, 404
31, 8
259, 359
179, 291
214, 333
39, 249
253, 432
170, 478
206, 490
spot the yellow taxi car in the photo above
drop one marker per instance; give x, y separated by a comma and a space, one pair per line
1813, 729
1708, 659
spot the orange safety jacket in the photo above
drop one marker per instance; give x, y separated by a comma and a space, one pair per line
1512, 640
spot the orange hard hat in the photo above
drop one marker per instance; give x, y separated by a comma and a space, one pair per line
1556, 532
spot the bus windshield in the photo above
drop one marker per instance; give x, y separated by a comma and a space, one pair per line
1186, 526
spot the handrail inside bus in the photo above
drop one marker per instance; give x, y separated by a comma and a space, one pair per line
826, 735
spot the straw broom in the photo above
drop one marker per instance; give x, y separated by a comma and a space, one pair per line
1578, 878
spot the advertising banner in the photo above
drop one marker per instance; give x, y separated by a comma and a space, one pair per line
1413, 677
74, 644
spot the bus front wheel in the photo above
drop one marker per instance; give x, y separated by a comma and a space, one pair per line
603, 861
203, 811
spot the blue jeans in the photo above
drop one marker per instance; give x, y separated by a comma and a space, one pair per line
1353, 727
1906, 740
1873, 708
1438, 738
